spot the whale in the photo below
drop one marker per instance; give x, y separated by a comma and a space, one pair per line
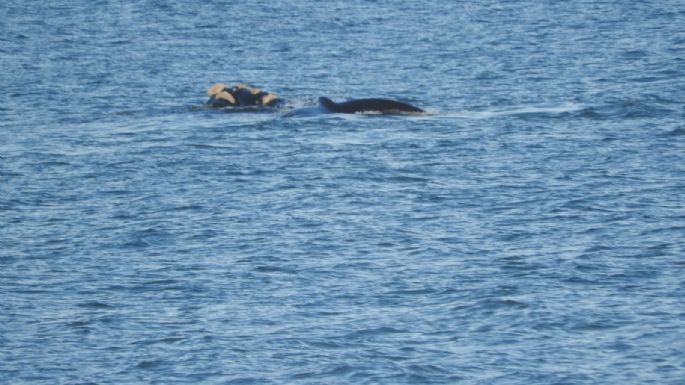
356, 106
242, 97
384, 106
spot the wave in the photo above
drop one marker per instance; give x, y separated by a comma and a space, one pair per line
649, 107
679, 131
520, 110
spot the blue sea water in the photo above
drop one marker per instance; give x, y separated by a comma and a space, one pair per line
530, 230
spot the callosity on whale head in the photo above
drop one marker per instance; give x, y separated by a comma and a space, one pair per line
241, 95
220, 96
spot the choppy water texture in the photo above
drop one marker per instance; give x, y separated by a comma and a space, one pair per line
530, 231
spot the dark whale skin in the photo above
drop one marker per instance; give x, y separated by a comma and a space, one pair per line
369, 105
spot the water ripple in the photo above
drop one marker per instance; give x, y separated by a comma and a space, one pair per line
529, 229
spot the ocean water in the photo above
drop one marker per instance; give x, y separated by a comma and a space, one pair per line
530, 230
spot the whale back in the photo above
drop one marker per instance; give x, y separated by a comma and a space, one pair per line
369, 105
328, 103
